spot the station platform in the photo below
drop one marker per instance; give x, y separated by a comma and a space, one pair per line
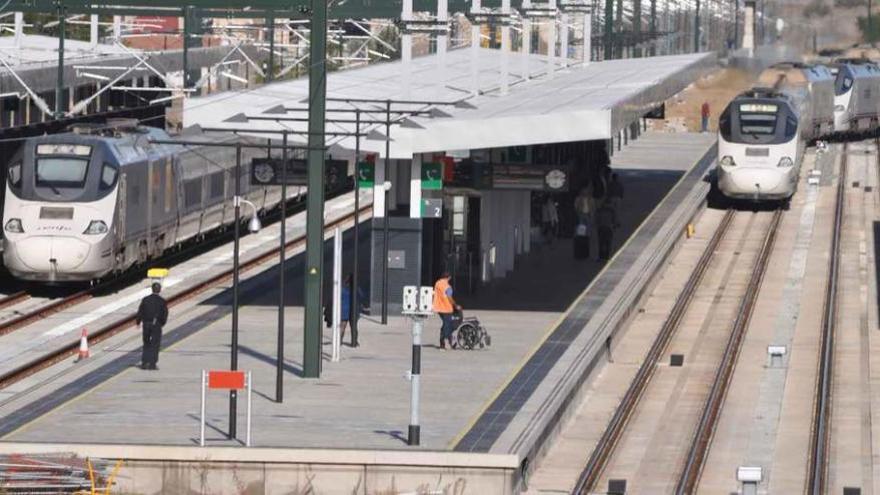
503, 400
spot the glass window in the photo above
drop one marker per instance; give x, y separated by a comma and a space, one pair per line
791, 126
192, 193
757, 123
217, 184
108, 176
724, 124
61, 172
15, 175
847, 83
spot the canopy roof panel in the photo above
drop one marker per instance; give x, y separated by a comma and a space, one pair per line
577, 103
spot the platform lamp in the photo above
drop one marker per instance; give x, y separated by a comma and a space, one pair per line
253, 226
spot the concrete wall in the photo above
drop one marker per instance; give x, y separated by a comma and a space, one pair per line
505, 221
152, 470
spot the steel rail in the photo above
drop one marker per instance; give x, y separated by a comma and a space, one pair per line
699, 449
605, 448
121, 324
817, 468
14, 298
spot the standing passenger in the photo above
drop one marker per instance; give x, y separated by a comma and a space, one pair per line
152, 314
445, 306
606, 219
550, 218
347, 313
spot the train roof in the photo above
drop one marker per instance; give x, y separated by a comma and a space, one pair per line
794, 74
130, 142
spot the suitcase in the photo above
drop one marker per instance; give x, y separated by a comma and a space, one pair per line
581, 247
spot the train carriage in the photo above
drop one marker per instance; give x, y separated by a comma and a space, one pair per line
90, 203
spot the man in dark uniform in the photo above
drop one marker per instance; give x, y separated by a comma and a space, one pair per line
152, 314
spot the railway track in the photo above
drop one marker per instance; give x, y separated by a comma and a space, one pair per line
14, 299
104, 333
820, 433
604, 449
689, 477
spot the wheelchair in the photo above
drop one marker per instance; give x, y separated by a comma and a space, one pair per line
470, 334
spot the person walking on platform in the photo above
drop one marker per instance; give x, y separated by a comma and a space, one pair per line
445, 305
152, 314
704, 114
347, 313
606, 220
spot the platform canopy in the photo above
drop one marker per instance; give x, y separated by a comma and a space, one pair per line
39, 49
578, 103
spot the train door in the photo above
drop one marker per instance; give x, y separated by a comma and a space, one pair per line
121, 209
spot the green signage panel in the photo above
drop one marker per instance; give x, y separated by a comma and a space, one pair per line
366, 174
432, 176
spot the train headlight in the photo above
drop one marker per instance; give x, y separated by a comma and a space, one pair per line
14, 226
727, 161
839, 108
785, 162
96, 227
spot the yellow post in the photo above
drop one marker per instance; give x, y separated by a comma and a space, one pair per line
690, 230
91, 475
113, 476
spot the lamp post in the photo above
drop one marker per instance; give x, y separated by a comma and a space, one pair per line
253, 226
279, 356
385, 214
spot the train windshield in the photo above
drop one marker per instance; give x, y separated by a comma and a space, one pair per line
758, 118
61, 172
843, 82
758, 122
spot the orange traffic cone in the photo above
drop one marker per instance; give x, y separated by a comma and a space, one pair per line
83, 345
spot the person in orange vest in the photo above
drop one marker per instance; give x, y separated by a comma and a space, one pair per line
445, 306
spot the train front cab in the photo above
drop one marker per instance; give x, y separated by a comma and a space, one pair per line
59, 211
759, 150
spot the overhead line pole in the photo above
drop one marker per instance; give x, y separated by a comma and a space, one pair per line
59, 86
315, 202
609, 29
279, 364
697, 28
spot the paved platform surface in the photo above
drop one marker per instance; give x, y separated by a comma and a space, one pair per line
360, 402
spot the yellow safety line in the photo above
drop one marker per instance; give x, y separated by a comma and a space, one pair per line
470, 424
113, 476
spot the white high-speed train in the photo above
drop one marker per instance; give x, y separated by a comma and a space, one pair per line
90, 203
856, 95
764, 131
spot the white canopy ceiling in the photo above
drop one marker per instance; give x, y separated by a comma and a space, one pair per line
577, 103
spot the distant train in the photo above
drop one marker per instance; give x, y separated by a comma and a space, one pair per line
96, 201
763, 132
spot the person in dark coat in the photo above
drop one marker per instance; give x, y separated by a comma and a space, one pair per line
606, 220
152, 315
347, 314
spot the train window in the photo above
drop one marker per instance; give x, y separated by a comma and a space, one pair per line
757, 123
61, 172
15, 175
108, 176
791, 125
724, 124
847, 83
217, 184
192, 192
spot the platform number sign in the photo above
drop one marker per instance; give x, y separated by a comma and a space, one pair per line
432, 208
366, 174
432, 176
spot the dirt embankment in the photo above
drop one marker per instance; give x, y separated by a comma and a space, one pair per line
717, 88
